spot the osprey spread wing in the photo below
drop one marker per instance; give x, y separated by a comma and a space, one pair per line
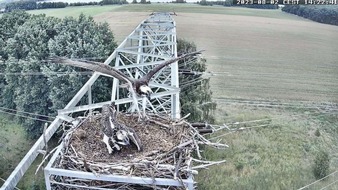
108, 70
137, 86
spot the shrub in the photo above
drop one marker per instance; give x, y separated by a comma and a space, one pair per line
317, 133
321, 165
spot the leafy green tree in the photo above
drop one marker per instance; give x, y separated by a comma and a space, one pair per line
327, 14
28, 92
195, 96
49, 5
82, 38
8, 96
9, 23
112, 2
2, 78
204, 3
180, 1
32, 96
23, 5
32, 40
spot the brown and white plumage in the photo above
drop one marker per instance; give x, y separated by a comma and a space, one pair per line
108, 129
136, 86
116, 133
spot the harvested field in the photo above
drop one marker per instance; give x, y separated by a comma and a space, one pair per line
256, 57
266, 58
256, 54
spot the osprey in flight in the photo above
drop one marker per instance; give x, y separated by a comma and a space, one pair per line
136, 86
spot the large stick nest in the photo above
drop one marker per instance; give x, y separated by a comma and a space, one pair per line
167, 149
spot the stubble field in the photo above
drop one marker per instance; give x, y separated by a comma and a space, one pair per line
256, 57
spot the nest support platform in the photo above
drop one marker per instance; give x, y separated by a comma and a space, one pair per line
82, 161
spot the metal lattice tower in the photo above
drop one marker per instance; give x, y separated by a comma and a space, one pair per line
152, 42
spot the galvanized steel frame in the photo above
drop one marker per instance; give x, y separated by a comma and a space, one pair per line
152, 42
51, 172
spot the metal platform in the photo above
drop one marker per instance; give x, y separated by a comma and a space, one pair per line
52, 174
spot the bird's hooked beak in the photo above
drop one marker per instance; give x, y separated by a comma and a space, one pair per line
146, 90
148, 94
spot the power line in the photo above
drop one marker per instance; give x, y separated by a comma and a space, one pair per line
321, 107
28, 117
329, 184
306, 186
205, 74
238, 129
5, 180
29, 113
60, 73
187, 84
225, 126
45, 73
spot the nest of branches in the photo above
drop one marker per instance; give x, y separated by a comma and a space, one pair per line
168, 146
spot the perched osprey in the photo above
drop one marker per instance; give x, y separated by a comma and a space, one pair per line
108, 128
136, 86
116, 133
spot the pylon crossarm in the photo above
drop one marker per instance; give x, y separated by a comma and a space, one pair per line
144, 54
119, 101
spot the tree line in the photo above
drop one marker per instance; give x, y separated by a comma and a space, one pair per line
229, 3
31, 5
30, 85
327, 14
